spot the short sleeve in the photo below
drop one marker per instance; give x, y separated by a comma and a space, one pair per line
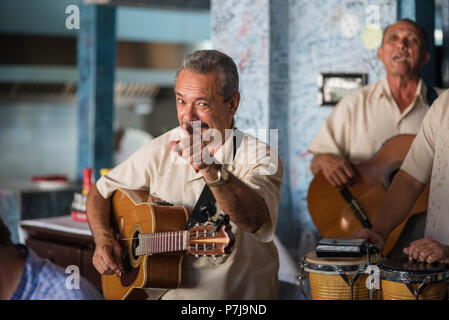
266, 180
419, 160
133, 173
333, 135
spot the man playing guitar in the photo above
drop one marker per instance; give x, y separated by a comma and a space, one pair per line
362, 121
173, 167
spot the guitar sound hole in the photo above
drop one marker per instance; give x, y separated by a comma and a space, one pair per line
388, 175
393, 174
135, 244
126, 263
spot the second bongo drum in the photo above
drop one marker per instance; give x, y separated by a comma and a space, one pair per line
337, 278
402, 279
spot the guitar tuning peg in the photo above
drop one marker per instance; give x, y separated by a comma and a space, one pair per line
197, 256
222, 219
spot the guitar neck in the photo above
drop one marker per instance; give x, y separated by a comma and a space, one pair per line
202, 240
163, 242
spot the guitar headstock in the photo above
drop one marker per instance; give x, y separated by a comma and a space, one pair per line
210, 240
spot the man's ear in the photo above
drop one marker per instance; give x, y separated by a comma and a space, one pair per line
425, 58
379, 53
234, 103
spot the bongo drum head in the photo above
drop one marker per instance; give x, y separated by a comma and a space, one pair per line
336, 264
311, 257
405, 265
404, 279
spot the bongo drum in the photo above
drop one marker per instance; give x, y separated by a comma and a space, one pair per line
402, 279
337, 278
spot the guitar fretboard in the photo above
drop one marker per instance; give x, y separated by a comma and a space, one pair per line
161, 242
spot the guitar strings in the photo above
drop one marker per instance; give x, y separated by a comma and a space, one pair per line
192, 235
367, 199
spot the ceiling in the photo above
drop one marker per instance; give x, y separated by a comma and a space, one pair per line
39, 52
48, 17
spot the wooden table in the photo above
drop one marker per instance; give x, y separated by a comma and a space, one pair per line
64, 242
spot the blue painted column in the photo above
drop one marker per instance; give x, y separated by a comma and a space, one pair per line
96, 69
423, 12
255, 35
278, 99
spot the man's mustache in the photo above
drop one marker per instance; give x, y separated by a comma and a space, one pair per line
189, 125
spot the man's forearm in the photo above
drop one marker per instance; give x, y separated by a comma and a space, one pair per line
98, 214
398, 202
246, 208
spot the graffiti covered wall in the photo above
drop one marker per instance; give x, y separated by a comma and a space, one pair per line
302, 38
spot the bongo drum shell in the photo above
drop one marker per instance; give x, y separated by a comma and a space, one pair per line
333, 287
398, 274
398, 291
327, 284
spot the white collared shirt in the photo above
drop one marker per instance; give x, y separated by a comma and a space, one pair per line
363, 120
428, 160
251, 270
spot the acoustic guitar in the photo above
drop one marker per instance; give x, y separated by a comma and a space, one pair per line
154, 243
337, 212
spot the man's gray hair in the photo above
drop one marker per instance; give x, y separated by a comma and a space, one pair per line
205, 61
421, 31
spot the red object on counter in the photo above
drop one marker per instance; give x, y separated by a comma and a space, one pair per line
79, 216
87, 180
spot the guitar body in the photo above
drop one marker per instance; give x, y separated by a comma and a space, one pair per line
131, 215
332, 215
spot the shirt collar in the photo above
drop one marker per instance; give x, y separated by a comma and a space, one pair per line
384, 89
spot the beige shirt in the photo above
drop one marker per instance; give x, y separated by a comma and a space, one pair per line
428, 159
251, 270
362, 121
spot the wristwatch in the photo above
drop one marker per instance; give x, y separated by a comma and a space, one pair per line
223, 177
